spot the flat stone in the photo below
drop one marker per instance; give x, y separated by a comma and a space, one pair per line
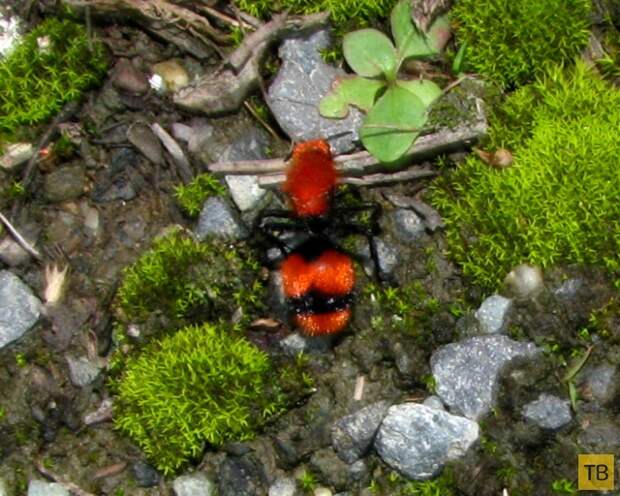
352, 435
217, 218
82, 371
16, 154
65, 183
466, 372
126, 77
493, 313
598, 383
408, 226
145, 474
418, 440
245, 191
19, 308
284, 486
548, 412
142, 137
42, 488
193, 485
293, 97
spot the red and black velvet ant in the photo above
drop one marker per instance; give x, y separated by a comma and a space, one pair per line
317, 276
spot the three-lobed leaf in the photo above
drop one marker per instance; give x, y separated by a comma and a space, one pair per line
370, 53
388, 131
349, 90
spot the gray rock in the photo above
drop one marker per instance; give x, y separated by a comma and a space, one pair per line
126, 77
19, 308
353, 434
330, 469
245, 191
217, 218
146, 476
284, 486
387, 257
120, 180
42, 488
466, 372
4, 490
295, 94
493, 313
548, 412
193, 485
296, 343
238, 476
65, 183
11, 253
358, 470
434, 402
250, 143
408, 226
142, 137
82, 371
598, 383
417, 440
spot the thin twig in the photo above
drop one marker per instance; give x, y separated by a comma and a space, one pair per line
20, 239
238, 23
69, 486
260, 120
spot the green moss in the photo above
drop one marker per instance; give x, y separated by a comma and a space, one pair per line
556, 203
200, 385
349, 13
192, 196
405, 309
396, 485
189, 280
512, 41
35, 83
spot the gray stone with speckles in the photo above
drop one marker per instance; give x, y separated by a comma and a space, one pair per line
466, 372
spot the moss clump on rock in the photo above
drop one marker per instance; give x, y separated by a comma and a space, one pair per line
191, 197
513, 41
557, 203
191, 281
51, 66
200, 385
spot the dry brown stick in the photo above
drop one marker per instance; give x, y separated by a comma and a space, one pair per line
271, 181
225, 18
68, 485
151, 12
247, 167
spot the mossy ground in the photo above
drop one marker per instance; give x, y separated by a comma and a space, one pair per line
513, 41
188, 281
35, 82
556, 203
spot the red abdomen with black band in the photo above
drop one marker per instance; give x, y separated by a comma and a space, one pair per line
317, 279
